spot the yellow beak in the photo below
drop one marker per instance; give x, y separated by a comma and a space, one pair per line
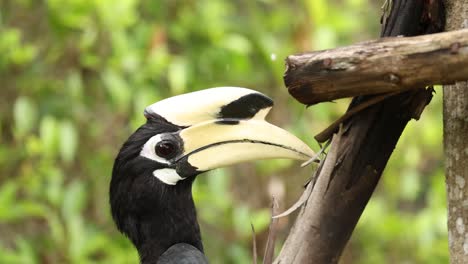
215, 144
226, 125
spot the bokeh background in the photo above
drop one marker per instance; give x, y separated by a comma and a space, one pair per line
75, 76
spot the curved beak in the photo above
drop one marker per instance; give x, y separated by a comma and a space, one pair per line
218, 143
226, 125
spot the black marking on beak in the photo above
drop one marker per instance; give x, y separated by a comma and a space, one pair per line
228, 121
245, 107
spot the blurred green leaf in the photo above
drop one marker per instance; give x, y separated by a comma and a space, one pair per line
8, 192
48, 131
27, 251
68, 141
57, 230
74, 85
237, 43
118, 90
25, 114
410, 185
177, 75
13, 50
54, 187
11, 209
23, 255
74, 200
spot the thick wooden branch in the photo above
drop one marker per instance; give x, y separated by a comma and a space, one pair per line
380, 66
358, 156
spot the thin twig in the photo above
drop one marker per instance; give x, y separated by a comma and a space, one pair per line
332, 158
328, 132
317, 155
270, 246
309, 185
254, 245
305, 195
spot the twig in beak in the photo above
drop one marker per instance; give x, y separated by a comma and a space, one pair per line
316, 156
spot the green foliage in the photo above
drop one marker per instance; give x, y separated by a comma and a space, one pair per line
76, 75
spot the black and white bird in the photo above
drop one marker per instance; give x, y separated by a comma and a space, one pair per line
150, 190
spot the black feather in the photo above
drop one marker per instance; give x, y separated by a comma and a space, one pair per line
152, 214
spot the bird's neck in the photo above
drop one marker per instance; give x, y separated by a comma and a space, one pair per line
174, 221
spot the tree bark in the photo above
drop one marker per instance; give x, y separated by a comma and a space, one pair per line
456, 147
378, 66
356, 159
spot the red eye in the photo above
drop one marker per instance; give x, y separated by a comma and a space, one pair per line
166, 149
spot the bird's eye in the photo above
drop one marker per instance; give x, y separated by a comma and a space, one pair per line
166, 149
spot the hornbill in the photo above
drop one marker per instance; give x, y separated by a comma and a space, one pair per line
150, 190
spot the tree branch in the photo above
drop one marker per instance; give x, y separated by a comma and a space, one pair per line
379, 66
456, 148
368, 138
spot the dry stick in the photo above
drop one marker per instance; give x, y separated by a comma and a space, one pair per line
317, 155
310, 185
328, 132
270, 246
330, 161
320, 189
254, 245
305, 195
379, 66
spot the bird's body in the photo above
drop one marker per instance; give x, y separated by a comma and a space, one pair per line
150, 191
146, 209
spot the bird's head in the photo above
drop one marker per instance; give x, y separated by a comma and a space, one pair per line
187, 135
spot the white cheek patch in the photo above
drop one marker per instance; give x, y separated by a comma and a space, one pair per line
168, 176
148, 150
